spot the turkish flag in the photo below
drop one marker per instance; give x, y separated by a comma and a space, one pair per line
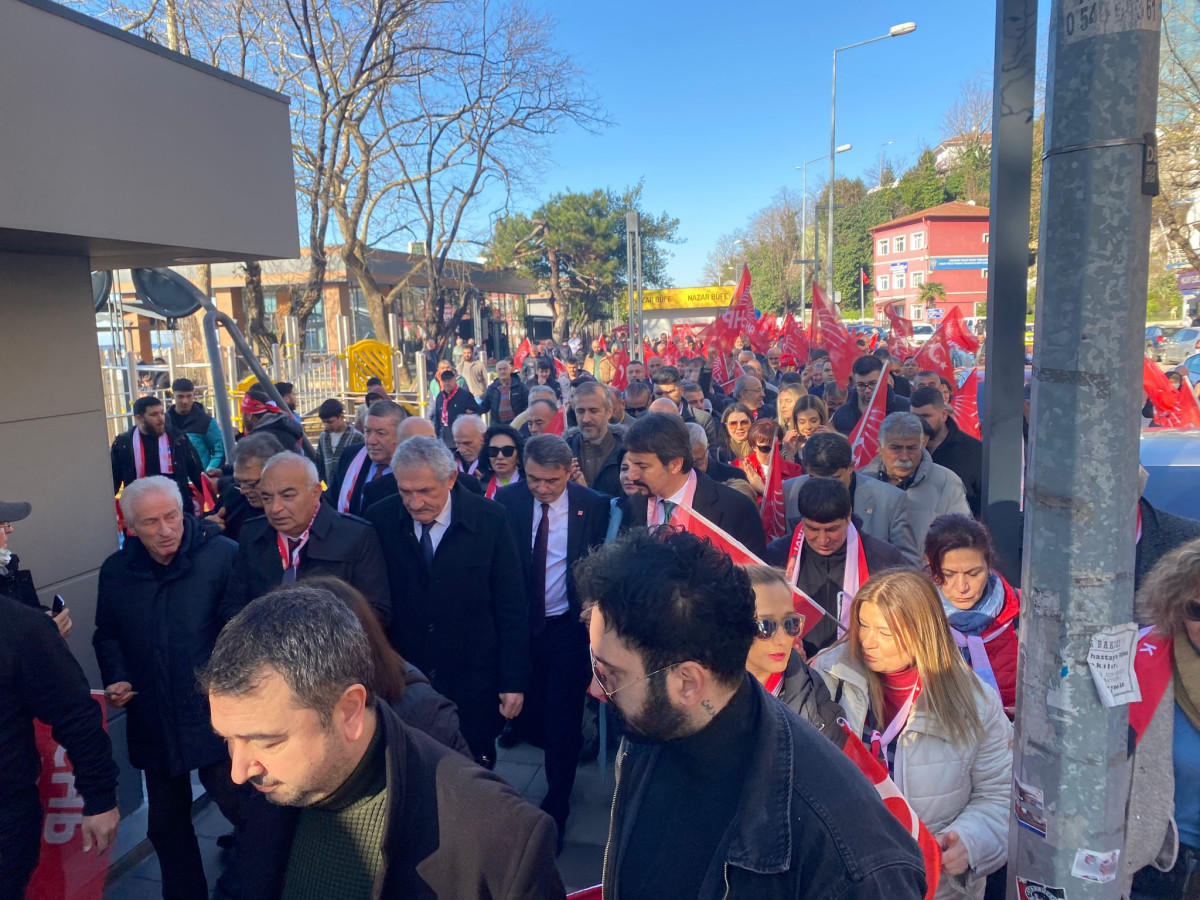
866, 279
621, 361
898, 806
965, 407
738, 319
864, 438
773, 518
691, 521
647, 350
792, 340
559, 368
958, 333
935, 356
558, 424
523, 350
670, 354
842, 348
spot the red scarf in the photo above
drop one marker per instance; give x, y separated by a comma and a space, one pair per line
900, 692
446, 406
292, 559
774, 683
854, 575
1154, 666
493, 485
166, 465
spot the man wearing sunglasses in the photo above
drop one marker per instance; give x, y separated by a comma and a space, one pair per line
827, 557
637, 399
721, 790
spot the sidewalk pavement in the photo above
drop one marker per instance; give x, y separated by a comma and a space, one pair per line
521, 766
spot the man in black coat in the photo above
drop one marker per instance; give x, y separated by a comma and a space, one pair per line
240, 501
451, 402
817, 558
301, 536
556, 523
162, 601
867, 371
139, 452
354, 803
949, 445
597, 446
385, 487
659, 451
459, 610
506, 382
369, 463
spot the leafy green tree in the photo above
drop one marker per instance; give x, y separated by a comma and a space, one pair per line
922, 186
1163, 299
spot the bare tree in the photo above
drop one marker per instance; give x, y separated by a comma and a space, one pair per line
970, 115
725, 259
1177, 207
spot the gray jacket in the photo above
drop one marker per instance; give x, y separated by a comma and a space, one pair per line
1151, 838
935, 491
881, 508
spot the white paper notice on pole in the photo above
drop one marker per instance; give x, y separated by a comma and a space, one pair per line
1111, 661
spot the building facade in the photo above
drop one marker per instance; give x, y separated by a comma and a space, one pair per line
947, 244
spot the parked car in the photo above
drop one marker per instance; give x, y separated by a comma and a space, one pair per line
1180, 345
922, 333
1156, 336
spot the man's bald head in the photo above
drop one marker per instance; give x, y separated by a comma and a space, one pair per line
664, 405
414, 426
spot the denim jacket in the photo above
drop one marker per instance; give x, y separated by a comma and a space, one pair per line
808, 824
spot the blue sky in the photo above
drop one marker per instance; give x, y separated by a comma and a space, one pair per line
714, 104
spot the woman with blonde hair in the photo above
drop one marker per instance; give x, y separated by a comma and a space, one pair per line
1163, 810
809, 415
918, 706
785, 402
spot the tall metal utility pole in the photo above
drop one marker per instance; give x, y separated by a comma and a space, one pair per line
1082, 486
1003, 411
633, 270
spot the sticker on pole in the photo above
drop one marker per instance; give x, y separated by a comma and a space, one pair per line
1083, 19
1111, 662
1091, 865
1030, 808
1032, 890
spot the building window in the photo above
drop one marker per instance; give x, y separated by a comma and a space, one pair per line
898, 243
898, 280
918, 240
984, 273
882, 247
986, 237
918, 279
882, 282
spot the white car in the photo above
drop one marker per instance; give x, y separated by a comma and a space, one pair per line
922, 333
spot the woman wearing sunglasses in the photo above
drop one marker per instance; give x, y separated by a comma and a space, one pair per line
775, 662
757, 462
502, 447
1166, 722
735, 433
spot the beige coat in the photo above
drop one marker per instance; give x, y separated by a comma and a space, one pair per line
952, 788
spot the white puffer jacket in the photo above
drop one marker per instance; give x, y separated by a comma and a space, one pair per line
952, 788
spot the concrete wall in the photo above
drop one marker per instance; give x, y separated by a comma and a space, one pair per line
53, 434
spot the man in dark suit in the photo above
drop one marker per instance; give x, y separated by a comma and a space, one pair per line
301, 536
371, 462
556, 522
659, 451
385, 486
460, 613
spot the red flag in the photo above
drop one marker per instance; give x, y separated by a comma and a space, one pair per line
559, 368
958, 333
691, 521
765, 332
898, 806
965, 406
603, 343
814, 328
843, 350
738, 319
866, 279
900, 333
864, 439
792, 340
670, 354
1171, 408
558, 424
935, 356
621, 361
723, 374
647, 350
773, 518
523, 350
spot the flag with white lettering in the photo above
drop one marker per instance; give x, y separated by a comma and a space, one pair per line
864, 438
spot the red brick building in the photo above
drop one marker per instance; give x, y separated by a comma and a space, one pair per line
946, 244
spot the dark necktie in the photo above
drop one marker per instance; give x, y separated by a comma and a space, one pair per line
427, 544
378, 472
290, 573
537, 595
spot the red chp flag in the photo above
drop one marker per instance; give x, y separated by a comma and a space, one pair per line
764, 333
620, 359
558, 424
958, 333
670, 354
694, 523
523, 350
559, 368
774, 520
843, 350
736, 320
864, 439
1171, 408
792, 340
898, 806
900, 334
935, 356
723, 373
965, 406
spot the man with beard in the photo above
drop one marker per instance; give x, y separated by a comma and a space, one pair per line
152, 447
191, 418
720, 791
867, 371
597, 446
352, 802
949, 445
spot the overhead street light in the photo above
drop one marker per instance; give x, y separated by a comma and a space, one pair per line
895, 31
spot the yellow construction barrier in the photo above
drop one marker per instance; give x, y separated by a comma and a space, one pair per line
369, 359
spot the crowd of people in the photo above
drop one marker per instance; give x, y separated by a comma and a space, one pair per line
371, 617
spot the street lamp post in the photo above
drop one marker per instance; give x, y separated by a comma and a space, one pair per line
895, 31
881, 146
804, 219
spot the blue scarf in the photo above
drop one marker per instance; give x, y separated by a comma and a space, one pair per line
976, 620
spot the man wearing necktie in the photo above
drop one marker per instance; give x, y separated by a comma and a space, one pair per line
557, 522
461, 613
299, 536
658, 449
369, 463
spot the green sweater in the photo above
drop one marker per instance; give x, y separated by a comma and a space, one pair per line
338, 848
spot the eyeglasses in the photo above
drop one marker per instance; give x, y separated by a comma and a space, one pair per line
505, 451
6, 527
738, 426
764, 448
636, 411
866, 385
602, 680
792, 626
247, 485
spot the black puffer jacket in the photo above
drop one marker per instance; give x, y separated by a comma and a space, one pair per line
155, 626
806, 695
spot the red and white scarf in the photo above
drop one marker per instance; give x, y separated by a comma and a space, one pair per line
291, 560
166, 465
446, 406
493, 485
352, 473
881, 741
774, 683
853, 577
